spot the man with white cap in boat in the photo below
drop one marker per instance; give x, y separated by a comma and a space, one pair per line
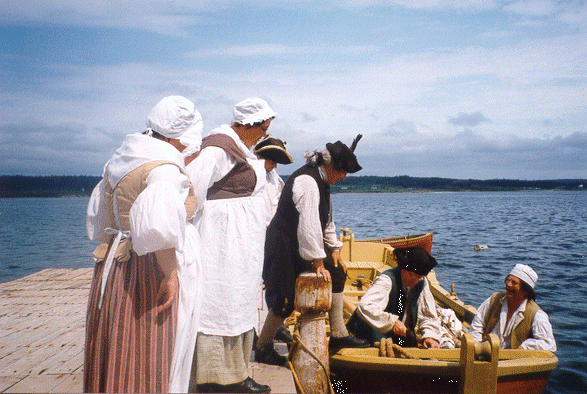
229, 183
399, 304
514, 315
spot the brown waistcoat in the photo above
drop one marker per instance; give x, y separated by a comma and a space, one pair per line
522, 331
241, 180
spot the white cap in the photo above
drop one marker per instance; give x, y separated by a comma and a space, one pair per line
525, 273
252, 110
176, 117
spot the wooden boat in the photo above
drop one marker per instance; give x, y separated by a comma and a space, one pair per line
422, 240
434, 371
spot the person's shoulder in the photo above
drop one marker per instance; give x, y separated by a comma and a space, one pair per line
305, 180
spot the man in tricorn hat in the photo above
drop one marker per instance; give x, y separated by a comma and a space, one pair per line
514, 315
399, 304
273, 152
302, 237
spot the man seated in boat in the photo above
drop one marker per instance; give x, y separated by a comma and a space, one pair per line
514, 315
399, 304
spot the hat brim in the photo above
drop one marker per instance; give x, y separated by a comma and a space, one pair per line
274, 153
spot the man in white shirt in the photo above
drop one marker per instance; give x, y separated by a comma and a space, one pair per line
273, 152
302, 237
399, 304
514, 316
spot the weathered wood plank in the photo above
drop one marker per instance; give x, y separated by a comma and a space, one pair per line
42, 332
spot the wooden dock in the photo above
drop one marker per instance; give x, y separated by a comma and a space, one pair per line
42, 330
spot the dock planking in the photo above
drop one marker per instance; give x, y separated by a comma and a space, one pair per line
42, 331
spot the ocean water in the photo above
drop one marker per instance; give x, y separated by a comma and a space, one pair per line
547, 230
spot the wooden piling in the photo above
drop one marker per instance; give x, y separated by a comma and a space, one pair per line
309, 357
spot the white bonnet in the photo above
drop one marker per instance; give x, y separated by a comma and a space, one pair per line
252, 110
525, 273
176, 117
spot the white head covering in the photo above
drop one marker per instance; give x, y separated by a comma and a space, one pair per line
176, 117
252, 110
525, 273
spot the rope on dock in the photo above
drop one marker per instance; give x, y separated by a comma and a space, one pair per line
297, 342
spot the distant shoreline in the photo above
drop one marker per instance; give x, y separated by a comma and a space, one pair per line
21, 186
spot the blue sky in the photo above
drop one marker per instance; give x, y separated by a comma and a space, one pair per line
457, 89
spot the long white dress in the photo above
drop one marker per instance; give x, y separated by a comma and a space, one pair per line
232, 235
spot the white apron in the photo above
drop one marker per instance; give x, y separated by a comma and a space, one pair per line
232, 235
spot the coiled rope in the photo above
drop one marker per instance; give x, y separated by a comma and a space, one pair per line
389, 349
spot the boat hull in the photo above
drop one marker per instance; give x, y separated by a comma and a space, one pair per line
352, 380
422, 240
434, 371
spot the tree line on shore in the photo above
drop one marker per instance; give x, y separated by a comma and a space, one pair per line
82, 185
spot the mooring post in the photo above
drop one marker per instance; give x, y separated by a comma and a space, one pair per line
479, 362
310, 356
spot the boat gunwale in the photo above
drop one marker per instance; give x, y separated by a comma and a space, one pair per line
401, 238
512, 362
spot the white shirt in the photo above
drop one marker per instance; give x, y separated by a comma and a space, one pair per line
311, 239
372, 306
543, 338
273, 190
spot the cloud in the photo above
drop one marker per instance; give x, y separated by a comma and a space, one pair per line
444, 91
472, 156
65, 149
277, 50
469, 120
535, 8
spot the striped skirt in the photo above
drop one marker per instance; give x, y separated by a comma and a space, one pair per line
129, 346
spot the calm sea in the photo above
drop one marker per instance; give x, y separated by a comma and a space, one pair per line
546, 230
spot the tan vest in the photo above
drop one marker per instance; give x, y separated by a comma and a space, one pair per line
522, 331
123, 196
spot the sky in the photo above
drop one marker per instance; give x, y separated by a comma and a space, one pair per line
467, 89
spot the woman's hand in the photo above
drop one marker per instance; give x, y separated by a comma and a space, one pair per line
168, 292
169, 288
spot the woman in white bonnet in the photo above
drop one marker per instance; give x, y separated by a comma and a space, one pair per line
229, 182
140, 212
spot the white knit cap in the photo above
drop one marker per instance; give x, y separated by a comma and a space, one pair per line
176, 117
525, 273
252, 110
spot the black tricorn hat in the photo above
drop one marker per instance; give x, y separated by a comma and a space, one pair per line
273, 149
415, 259
343, 157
